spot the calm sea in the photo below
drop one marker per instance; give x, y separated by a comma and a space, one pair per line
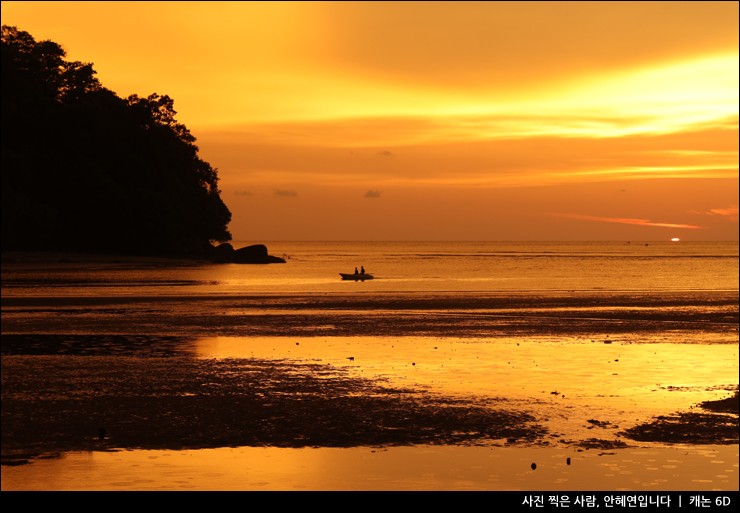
314, 267
570, 331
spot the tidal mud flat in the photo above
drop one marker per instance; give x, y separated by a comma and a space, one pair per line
96, 403
588, 314
99, 393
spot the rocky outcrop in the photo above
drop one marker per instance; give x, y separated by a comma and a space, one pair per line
254, 254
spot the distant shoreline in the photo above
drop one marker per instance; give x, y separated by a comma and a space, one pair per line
70, 257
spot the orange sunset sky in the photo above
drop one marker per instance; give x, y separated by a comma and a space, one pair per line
437, 120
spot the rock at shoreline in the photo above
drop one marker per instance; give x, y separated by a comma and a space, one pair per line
223, 253
254, 254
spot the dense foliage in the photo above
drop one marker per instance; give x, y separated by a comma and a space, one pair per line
86, 170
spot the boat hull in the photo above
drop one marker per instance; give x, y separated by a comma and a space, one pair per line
356, 277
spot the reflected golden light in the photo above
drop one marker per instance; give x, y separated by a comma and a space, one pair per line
380, 469
675, 239
470, 366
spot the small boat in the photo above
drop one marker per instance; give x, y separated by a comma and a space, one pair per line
356, 276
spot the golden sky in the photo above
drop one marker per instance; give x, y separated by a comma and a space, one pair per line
437, 120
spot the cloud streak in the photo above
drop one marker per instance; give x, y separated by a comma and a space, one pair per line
286, 193
730, 213
628, 220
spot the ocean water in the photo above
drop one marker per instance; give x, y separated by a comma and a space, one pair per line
519, 266
457, 267
619, 332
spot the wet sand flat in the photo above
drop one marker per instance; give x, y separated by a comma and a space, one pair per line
305, 393
590, 314
592, 374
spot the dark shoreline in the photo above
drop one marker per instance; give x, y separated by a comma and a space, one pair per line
80, 258
224, 253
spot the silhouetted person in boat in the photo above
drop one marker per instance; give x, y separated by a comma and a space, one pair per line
356, 271
362, 270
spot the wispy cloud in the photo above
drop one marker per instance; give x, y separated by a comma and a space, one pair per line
243, 193
286, 193
628, 220
730, 213
372, 194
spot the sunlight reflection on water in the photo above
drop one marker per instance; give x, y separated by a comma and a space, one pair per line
617, 382
401, 468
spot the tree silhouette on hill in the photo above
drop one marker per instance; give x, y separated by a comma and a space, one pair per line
86, 170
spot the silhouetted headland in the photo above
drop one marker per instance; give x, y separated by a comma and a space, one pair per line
85, 171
